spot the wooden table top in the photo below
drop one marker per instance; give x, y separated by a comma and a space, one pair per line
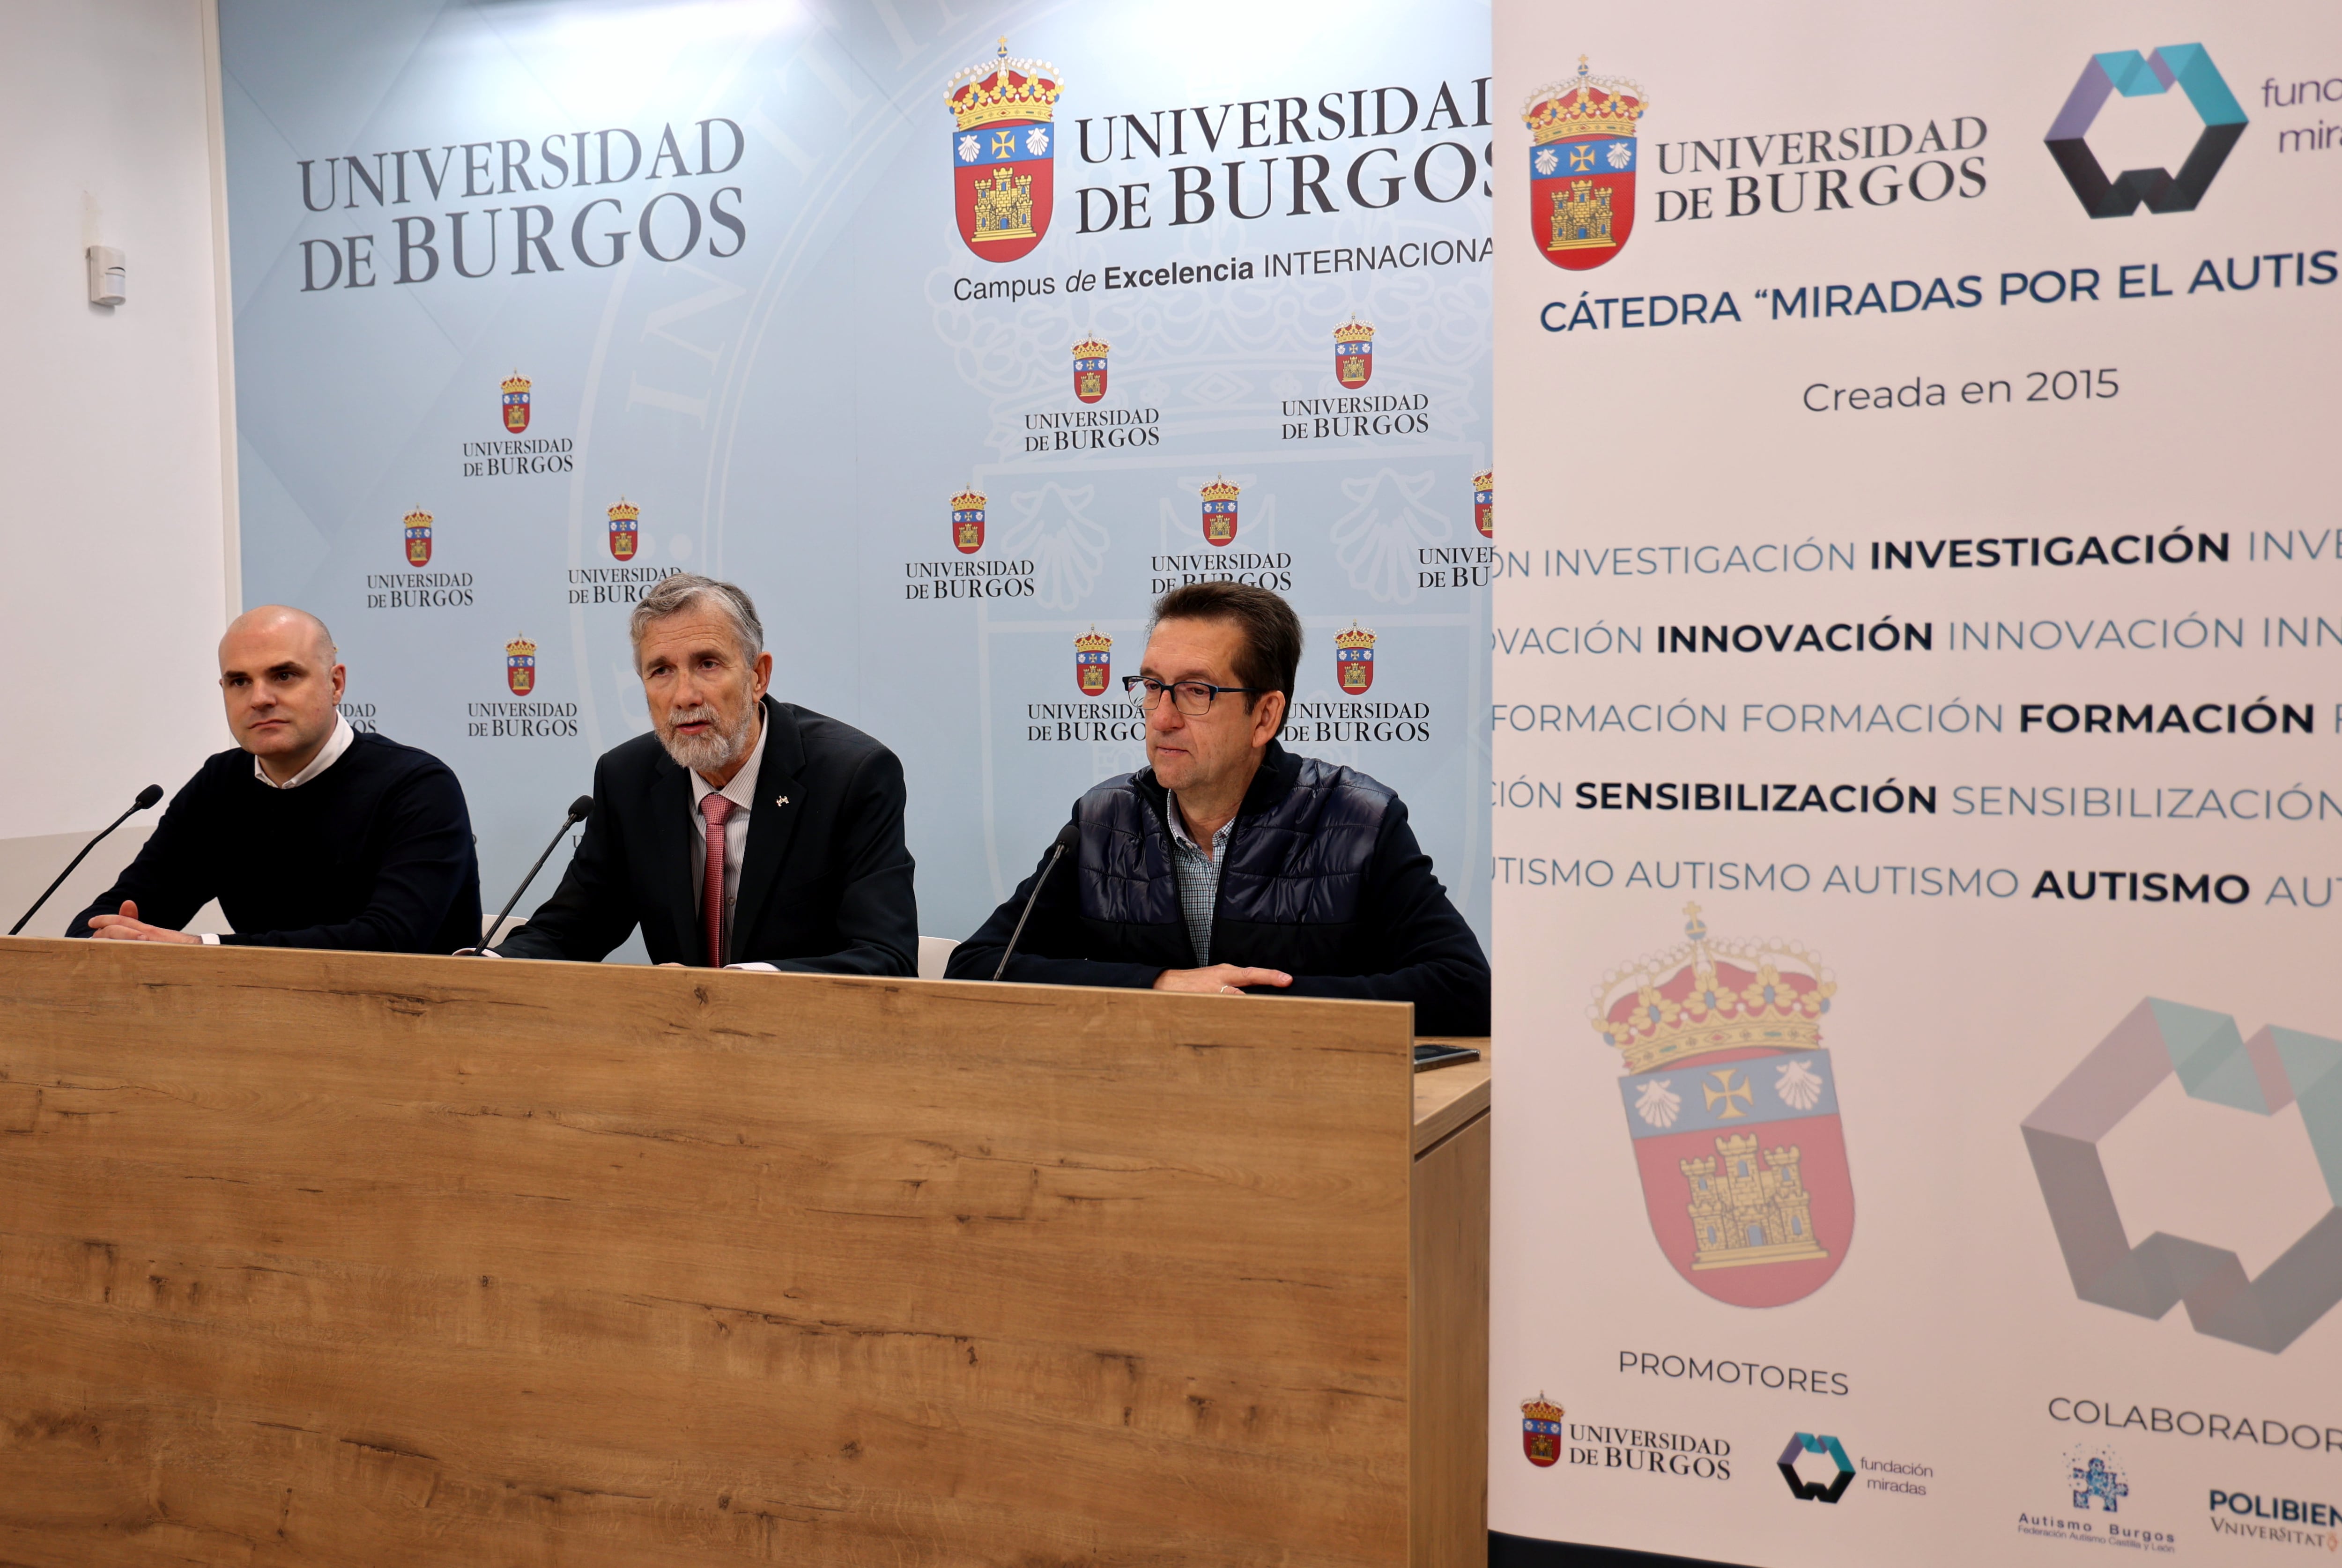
1447, 1098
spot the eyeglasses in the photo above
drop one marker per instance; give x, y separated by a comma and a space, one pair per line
1193, 698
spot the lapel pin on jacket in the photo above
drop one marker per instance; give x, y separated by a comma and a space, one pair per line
781, 800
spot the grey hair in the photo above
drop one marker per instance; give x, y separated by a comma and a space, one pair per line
684, 590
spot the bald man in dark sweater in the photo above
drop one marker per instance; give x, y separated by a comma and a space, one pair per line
309, 834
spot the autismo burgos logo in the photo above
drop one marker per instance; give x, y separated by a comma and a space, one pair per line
2135, 76
1815, 1467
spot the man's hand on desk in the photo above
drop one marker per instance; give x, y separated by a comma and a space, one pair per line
127, 927
1228, 978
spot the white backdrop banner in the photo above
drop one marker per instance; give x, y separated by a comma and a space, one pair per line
1918, 817
955, 334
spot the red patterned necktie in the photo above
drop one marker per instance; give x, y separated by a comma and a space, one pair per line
715, 808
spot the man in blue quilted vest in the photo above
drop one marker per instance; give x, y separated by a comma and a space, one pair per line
1230, 865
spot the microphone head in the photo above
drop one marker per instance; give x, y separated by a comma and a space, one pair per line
147, 797
1067, 836
581, 808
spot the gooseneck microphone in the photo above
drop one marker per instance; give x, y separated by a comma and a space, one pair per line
147, 797
579, 810
1067, 836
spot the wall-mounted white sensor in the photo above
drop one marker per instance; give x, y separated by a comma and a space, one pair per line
106, 275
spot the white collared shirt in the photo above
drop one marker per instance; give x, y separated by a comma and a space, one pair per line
742, 792
327, 755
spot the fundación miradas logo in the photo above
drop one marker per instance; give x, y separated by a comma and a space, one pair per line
1732, 1107
1582, 166
2135, 76
1004, 157
2214, 1062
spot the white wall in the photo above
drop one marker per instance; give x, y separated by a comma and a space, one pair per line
116, 561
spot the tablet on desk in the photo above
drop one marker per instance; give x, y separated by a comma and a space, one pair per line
1429, 1055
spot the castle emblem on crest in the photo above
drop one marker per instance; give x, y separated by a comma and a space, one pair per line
1582, 166
1354, 660
1732, 1107
515, 402
1220, 513
625, 530
968, 522
1484, 503
1089, 370
1541, 1429
418, 537
1002, 159
1354, 353
1093, 662
520, 667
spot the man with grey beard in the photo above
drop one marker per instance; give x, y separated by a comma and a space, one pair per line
743, 832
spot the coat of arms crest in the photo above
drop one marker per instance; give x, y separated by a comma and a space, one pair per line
1093, 662
1354, 660
515, 389
1220, 513
1002, 156
967, 521
1732, 1107
1582, 166
520, 667
1089, 370
1354, 354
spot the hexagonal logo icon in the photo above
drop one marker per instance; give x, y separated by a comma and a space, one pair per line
2135, 76
1815, 1466
2260, 1076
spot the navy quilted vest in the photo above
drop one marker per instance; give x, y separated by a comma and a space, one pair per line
1291, 882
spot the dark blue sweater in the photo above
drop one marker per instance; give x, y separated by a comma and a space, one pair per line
374, 853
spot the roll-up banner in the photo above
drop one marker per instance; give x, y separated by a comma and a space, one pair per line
955, 334
1918, 815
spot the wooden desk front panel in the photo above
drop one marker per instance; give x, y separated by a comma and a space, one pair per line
352, 1260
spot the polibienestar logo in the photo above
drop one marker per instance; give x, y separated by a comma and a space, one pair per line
1582, 166
2135, 76
2286, 1521
1004, 156
1814, 1465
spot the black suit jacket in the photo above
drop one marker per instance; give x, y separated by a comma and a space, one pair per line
825, 887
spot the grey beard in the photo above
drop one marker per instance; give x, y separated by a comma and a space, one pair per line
704, 753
